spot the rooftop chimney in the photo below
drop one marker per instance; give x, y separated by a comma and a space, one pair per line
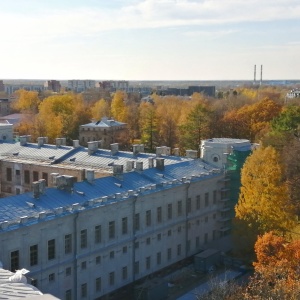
139, 166
92, 147
114, 148
118, 171
129, 165
159, 151
36, 189
23, 140
191, 153
135, 149
90, 175
41, 141
151, 162
176, 151
160, 163
75, 143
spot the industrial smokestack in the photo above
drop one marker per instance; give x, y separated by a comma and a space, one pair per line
261, 72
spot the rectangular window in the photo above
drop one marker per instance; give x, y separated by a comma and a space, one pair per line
83, 265
68, 271
83, 238
137, 267
136, 245
51, 249
169, 232
215, 197
111, 229
189, 205
98, 260
51, 277
124, 225
179, 249
148, 241
124, 273
188, 245
68, 295
98, 235
148, 263
33, 255
215, 235
159, 215
14, 261
124, 249
68, 243
159, 236
83, 290
111, 254
158, 258
169, 254
198, 202
35, 176
34, 282
26, 176
111, 278
197, 242
169, 211
98, 284
205, 238
45, 176
179, 208
18, 172
137, 222
206, 199
148, 218
8, 174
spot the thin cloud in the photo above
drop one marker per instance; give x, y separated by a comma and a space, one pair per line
144, 14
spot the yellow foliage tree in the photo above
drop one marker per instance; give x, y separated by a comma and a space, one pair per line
61, 115
118, 107
27, 101
100, 109
264, 204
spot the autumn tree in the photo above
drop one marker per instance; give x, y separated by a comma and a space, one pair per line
196, 127
61, 115
263, 203
100, 109
148, 125
118, 107
249, 120
168, 113
26, 101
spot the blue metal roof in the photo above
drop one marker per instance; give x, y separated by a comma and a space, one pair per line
14, 207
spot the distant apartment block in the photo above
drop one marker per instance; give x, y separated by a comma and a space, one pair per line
79, 86
11, 88
206, 90
113, 85
52, 85
1, 86
108, 131
4, 106
293, 94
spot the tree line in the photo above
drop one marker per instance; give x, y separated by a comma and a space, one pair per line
170, 121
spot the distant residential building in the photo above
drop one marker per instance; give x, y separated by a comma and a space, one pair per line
113, 85
108, 131
6, 132
295, 93
79, 86
206, 90
1, 86
11, 88
52, 85
4, 106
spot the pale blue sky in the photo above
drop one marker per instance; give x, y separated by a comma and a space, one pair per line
149, 39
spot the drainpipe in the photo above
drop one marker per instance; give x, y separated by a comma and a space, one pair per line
75, 256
